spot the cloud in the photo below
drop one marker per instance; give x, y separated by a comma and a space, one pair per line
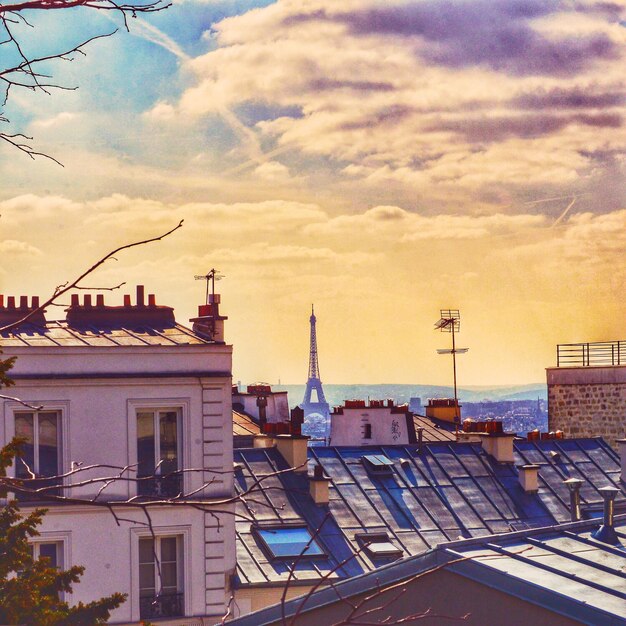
14, 247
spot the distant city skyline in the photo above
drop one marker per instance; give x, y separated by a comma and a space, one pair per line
380, 160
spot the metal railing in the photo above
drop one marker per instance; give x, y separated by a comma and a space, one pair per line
163, 605
590, 354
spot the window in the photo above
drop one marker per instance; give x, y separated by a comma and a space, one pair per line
53, 551
41, 452
158, 452
378, 464
368, 431
160, 577
289, 542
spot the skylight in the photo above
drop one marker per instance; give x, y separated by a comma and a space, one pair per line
378, 464
289, 542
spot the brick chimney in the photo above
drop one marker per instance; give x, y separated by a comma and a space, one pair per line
293, 448
318, 486
210, 324
139, 315
11, 313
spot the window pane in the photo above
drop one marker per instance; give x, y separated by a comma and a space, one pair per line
168, 549
146, 551
168, 421
49, 551
285, 542
145, 444
48, 444
168, 575
146, 579
24, 429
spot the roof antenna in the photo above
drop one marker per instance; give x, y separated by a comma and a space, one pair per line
211, 276
450, 322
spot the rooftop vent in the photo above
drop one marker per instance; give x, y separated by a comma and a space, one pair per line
378, 464
140, 315
606, 533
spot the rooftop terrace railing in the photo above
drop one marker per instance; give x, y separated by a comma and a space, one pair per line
590, 354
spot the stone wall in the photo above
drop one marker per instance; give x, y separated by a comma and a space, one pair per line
588, 401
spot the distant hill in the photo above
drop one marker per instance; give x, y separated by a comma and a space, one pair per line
336, 394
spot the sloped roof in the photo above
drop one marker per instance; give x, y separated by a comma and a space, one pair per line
60, 333
432, 430
448, 491
244, 425
561, 568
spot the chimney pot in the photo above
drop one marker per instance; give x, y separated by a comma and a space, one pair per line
87, 301
100, 299
23, 302
573, 484
75, 301
606, 533
140, 295
11, 302
2, 301
127, 300
35, 302
151, 300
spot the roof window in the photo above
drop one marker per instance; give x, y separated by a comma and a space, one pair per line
378, 545
378, 464
288, 541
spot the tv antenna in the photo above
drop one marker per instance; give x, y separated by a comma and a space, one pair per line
211, 276
450, 322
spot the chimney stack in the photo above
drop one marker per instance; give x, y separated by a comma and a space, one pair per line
293, 448
528, 477
606, 533
499, 446
573, 484
318, 486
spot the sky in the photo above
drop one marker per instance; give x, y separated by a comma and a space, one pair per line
382, 160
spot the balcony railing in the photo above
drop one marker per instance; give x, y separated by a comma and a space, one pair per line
590, 354
167, 486
163, 605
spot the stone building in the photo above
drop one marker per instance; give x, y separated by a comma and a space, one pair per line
587, 390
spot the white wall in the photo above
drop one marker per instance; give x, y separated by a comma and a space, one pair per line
387, 428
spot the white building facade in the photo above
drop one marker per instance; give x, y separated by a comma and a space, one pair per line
128, 387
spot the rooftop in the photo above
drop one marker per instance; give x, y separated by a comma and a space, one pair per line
445, 492
560, 568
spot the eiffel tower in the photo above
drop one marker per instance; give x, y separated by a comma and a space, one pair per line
314, 404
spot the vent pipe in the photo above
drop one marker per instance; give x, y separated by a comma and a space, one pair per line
573, 484
606, 533
420, 438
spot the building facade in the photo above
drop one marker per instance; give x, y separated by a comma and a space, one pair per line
128, 387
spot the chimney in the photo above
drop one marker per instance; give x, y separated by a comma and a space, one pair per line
573, 484
262, 441
528, 477
140, 295
318, 486
621, 446
606, 533
293, 449
209, 323
499, 446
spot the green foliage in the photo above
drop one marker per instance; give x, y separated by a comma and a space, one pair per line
31, 590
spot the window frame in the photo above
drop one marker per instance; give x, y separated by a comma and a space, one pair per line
36, 413
183, 433
257, 530
184, 565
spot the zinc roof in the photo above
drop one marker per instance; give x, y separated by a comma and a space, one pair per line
445, 492
60, 333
